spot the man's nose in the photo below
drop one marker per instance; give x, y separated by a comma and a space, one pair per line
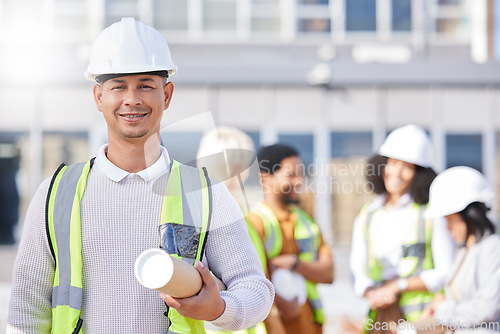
132, 98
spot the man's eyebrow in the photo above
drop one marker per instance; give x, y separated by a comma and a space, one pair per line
123, 81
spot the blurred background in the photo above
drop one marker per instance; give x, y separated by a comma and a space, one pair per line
330, 77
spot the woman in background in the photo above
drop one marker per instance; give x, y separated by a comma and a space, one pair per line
472, 293
398, 258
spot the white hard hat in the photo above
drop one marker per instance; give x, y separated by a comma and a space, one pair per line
408, 143
454, 189
129, 46
289, 285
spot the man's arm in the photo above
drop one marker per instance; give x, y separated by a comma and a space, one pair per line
319, 271
231, 256
30, 309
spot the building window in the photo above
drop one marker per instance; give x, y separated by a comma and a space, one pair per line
255, 135
170, 15
314, 25
347, 144
116, 9
401, 15
314, 2
265, 17
452, 20
361, 15
219, 15
464, 150
313, 16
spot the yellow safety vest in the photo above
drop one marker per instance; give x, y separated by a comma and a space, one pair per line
417, 257
308, 237
63, 220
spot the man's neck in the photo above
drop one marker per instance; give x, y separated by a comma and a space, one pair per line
133, 155
274, 201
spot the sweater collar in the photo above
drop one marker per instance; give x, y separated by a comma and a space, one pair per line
117, 174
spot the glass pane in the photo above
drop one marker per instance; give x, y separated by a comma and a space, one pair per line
303, 143
170, 14
449, 26
464, 150
220, 15
260, 24
266, 2
314, 25
360, 15
346, 144
314, 2
450, 2
401, 15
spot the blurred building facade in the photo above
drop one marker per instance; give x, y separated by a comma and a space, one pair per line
331, 77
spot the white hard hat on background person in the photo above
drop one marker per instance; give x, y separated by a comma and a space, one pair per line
129, 47
409, 143
454, 189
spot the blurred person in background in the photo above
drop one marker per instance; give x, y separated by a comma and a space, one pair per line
228, 153
398, 258
298, 258
9, 195
472, 293
85, 227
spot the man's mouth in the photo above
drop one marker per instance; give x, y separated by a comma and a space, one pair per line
133, 117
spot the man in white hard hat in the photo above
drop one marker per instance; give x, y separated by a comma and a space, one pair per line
87, 224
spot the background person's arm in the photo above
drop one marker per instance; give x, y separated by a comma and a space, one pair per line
319, 271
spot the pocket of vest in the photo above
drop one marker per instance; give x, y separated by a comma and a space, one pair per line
306, 245
179, 239
414, 250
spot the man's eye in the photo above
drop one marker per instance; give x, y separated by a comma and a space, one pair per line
146, 87
118, 88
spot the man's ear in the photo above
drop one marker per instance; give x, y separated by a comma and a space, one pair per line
98, 96
168, 91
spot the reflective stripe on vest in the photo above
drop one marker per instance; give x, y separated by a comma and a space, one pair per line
308, 237
187, 203
65, 240
417, 257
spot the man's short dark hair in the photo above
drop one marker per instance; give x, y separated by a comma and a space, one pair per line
271, 157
